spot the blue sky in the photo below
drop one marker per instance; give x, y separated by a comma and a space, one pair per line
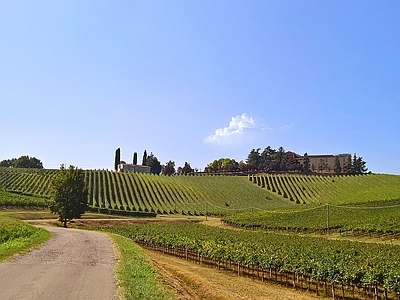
199, 80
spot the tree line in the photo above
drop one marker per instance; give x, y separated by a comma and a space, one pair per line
280, 160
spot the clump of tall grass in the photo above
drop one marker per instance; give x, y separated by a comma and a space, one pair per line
18, 237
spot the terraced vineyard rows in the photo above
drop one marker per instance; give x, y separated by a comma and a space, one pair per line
336, 268
110, 191
338, 189
194, 195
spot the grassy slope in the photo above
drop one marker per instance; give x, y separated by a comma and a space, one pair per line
18, 237
221, 194
347, 189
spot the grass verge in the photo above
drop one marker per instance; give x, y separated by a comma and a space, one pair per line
136, 276
18, 237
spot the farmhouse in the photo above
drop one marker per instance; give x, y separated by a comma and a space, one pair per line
326, 163
133, 168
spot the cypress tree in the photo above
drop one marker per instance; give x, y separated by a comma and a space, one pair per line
135, 158
117, 158
144, 158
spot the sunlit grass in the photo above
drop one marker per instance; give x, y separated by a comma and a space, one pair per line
136, 277
18, 237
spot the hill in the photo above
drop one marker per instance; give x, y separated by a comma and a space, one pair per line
115, 192
335, 189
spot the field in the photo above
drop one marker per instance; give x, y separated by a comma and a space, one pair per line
375, 218
112, 192
323, 266
286, 203
336, 189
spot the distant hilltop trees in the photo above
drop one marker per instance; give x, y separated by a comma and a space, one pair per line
272, 160
150, 160
22, 162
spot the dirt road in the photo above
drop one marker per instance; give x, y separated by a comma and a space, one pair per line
73, 264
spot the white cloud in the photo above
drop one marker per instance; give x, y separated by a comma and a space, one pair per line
238, 127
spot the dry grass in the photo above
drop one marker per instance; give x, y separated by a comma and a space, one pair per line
192, 281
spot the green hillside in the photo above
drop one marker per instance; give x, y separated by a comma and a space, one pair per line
340, 189
116, 192
110, 191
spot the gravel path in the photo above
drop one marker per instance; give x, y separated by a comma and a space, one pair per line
73, 264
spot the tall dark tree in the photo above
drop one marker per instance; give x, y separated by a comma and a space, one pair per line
154, 164
169, 168
359, 165
69, 194
187, 169
134, 158
144, 159
254, 158
117, 158
348, 167
337, 168
306, 163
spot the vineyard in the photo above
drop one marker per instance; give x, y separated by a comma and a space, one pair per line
338, 189
380, 218
331, 268
128, 192
267, 201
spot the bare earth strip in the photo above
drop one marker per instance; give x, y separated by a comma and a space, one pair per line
192, 281
73, 264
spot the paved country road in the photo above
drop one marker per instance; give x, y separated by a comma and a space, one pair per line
73, 264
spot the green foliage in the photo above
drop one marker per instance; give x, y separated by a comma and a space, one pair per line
380, 217
154, 164
169, 168
69, 194
351, 263
189, 194
222, 165
337, 189
134, 158
22, 162
144, 159
186, 169
337, 167
306, 163
117, 159
16, 237
21, 200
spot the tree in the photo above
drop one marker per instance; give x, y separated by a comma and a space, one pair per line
22, 162
69, 196
348, 167
169, 168
254, 158
134, 158
359, 165
337, 168
144, 159
154, 164
117, 158
187, 169
306, 163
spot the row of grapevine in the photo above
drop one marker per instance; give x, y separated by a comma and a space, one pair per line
337, 189
315, 262
29, 182
379, 218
